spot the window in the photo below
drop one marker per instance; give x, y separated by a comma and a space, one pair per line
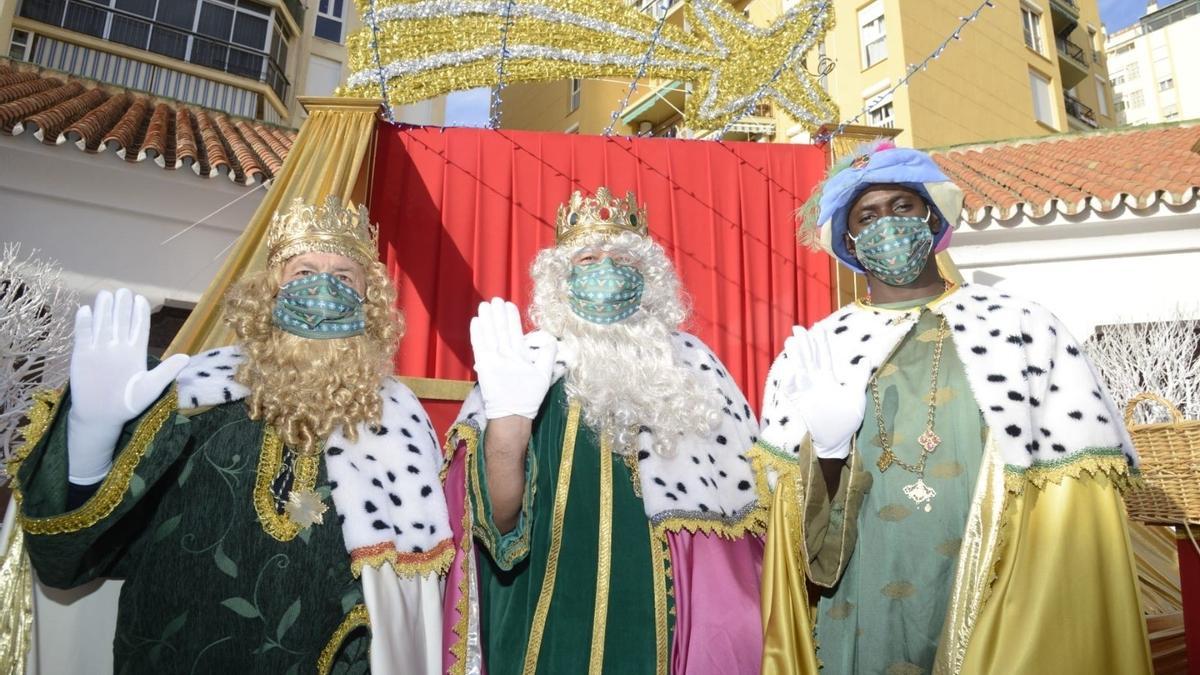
1032, 22
1135, 100
1167, 84
329, 20
18, 49
1101, 96
1094, 42
880, 112
872, 34
1118, 80
1123, 49
1170, 112
1043, 108
1131, 71
576, 94
323, 76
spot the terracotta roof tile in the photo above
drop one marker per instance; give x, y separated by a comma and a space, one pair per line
87, 132
214, 159
249, 163
186, 150
270, 159
97, 118
1069, 174
123, 135
12, 89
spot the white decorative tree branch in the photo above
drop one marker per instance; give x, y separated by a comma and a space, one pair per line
1160, 357
35, 337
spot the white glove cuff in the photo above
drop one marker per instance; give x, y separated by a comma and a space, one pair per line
90, 447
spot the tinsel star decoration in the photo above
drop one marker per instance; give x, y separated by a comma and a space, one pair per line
305, 508
425, 48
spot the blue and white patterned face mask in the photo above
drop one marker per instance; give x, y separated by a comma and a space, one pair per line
605, 292
895, 249
319, 306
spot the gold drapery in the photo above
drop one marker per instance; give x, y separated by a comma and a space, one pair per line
1063, 571
326, 158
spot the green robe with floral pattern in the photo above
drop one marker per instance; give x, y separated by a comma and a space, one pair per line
217, 580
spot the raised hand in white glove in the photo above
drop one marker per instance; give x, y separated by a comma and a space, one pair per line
515, 371
832, 410
109, 381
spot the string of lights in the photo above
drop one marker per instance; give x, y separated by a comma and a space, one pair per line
913, 69
664, 5
494, 112
383, 89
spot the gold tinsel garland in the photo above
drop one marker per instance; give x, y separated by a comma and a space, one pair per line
426, 48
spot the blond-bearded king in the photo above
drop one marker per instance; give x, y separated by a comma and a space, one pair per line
206, 484
602, 467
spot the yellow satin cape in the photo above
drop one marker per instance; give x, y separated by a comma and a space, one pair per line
1046, 581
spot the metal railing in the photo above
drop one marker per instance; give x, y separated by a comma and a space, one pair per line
1068, 48
139, 32
1080, 111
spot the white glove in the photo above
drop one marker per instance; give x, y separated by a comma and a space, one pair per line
515, 371
832, 410
109, 381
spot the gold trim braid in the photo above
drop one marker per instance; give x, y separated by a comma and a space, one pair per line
556, 532
16, 597
1095, 461
278, 525
115, 484
604, 559
40, 415
658, 561
355, 618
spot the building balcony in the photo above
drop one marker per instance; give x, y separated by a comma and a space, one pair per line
1078, 112
659, 102
1072, 62
1064, 16
260, 64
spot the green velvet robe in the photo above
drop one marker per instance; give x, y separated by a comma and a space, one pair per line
522, 569
208, 588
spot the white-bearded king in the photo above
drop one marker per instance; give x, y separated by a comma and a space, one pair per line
602, 473
206, 484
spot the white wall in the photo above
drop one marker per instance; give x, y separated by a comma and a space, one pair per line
1125, 266
105, 220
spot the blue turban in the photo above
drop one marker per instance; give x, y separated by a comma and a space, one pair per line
881, 163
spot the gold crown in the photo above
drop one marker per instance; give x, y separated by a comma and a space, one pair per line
331, 228
602, 214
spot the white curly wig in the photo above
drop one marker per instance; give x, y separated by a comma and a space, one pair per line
626, 375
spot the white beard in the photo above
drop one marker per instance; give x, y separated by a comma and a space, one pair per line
628, 380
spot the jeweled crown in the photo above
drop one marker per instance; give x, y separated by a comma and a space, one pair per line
331, 228
602, 214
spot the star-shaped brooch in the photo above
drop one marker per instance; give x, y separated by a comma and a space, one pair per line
305, 508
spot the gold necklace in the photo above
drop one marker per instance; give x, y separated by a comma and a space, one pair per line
919, 491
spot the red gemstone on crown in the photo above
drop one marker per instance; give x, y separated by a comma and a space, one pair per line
604, 213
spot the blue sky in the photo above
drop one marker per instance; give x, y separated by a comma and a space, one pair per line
1118, 14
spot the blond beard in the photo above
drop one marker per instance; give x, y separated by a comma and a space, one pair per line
306, 388
626, 378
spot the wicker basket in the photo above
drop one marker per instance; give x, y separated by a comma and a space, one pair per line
1170, 457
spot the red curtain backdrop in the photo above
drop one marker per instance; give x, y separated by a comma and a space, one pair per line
462, 212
